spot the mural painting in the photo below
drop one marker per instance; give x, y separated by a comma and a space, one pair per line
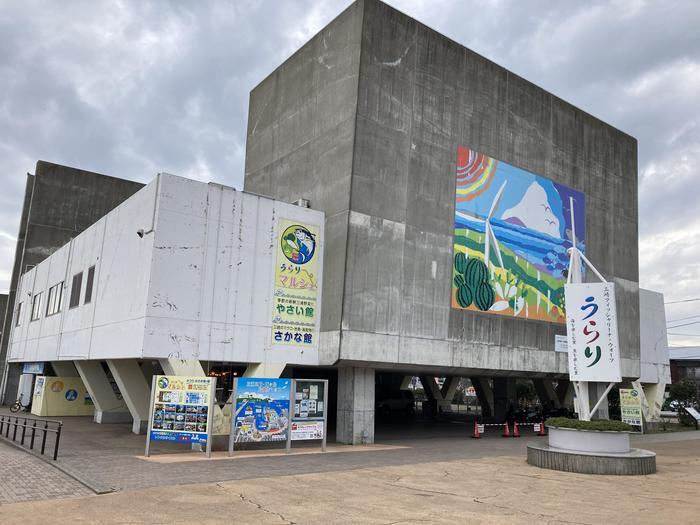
511, 235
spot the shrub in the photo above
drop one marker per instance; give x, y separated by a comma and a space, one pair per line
577, 424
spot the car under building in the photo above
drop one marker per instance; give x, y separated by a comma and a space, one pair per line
446, 191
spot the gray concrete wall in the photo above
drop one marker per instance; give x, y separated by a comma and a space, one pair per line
59, 203
420, 96
301, 124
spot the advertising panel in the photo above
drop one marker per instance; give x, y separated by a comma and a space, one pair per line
261, 409
512, 230
296, 284
305, 430
182, 409
631, 406
591, 318
33, 368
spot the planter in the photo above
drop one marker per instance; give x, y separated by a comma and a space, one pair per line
589, 440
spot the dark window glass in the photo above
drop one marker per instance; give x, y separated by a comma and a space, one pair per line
88, 284
53, 304
75, 290
36, 306
18, 319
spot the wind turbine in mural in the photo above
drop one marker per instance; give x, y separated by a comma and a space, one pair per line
489, 236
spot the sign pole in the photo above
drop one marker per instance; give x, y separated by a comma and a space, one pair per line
232, 433
292, 392
325, 415
150, 416
210, 416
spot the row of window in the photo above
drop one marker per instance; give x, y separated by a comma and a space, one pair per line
55, 297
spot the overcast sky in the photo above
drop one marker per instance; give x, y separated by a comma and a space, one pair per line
132, 88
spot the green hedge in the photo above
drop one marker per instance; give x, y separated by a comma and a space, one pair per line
600, 424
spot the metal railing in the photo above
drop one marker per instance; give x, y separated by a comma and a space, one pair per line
10, 426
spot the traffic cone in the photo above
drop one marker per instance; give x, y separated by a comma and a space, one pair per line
476, 434
541, 432
516, 432
506, 430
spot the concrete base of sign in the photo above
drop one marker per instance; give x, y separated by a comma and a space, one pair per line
588, 440
634, 462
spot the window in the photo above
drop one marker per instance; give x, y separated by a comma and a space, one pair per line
75, 290
88, 284
36, 306
18, 315
53, 302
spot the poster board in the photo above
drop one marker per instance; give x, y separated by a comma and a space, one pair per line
631, 406
181, 410
310, 416
260, 410
591, 322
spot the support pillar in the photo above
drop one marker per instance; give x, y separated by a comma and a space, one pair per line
108, 408
652, 400
546, 393
264, 370
484, 394
221, 424
355, 406
504, 397
565, 393
64, 368
135, 391
596, 390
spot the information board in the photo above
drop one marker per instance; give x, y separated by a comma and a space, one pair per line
307, 430
631, 406
261, 409
309, 396
181, 410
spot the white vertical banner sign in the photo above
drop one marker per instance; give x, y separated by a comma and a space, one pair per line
591, 322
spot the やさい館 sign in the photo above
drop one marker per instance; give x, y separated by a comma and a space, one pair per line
591, 326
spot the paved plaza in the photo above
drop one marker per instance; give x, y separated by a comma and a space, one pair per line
414, 474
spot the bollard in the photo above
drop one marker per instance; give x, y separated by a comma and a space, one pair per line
542, 432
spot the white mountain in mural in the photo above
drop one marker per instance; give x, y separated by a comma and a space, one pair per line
533, 212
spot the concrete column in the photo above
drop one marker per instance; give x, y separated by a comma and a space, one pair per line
565, 392
546, 393
484, 394
595, 390
355, 406
504, 396
64, 368
193, 368
108, 408
447, 394
264, 369
652, 400
147, 369
135, 391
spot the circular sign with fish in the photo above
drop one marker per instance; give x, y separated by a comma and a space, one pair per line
298, 244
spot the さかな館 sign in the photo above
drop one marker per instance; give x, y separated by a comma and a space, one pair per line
591, 326
296, 285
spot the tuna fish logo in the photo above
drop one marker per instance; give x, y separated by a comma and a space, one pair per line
298, 244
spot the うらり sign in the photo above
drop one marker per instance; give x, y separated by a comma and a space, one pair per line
591, 326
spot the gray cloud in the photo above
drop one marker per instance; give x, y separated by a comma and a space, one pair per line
132, 88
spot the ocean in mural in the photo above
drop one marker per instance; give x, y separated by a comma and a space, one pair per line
511, 235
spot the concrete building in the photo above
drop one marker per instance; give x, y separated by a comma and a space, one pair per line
445, 191
366, 121
59, 203
179, 275
685, 364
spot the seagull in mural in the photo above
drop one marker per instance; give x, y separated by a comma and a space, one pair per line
489, 236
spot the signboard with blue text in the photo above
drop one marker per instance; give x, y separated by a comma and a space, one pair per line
261, 409
181, 409
591, 323
33, 368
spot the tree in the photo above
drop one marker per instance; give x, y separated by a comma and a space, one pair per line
685, 392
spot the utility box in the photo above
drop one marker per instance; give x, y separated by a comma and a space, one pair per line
61, 396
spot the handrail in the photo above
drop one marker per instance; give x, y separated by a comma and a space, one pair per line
33, 425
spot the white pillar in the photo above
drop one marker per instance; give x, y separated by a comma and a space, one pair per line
264, 370
135, 391
108, 408
64, 368
193, 368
